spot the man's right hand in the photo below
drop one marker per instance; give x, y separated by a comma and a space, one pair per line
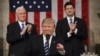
24, 30
60, 47
29, 28
73, 27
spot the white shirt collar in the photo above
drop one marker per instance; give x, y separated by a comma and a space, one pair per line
68, 18
20, 23
50, 40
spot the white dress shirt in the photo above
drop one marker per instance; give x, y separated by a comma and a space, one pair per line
44, 40
68, 19
50, 40
20, 23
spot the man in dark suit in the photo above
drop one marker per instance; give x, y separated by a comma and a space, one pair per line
73, 31
46, 43
18, 33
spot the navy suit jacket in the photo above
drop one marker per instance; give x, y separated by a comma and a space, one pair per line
16, 42
73, 45
35, 47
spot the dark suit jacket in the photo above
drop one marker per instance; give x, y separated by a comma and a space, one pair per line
15, 40
35, 47
73, 45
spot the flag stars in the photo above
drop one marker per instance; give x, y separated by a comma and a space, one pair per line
38, 6
46, 6
26, 2
18, 2
14, 6
30, 6
34, 2
42, 2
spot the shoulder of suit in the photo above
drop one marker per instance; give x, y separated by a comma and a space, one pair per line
13, 24
63, 19
54, 37
78, 18
36, 36
33, 37
28, 23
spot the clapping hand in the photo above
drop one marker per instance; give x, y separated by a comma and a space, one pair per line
27, 28
73, 26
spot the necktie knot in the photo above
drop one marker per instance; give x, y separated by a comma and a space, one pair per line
47, 37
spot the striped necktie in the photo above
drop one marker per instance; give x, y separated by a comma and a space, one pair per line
46, 47
71, 21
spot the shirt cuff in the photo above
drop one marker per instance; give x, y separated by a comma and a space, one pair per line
62, 52
68, 34
76, 31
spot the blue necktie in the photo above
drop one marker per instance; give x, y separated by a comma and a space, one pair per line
46, 47
22, 26
22, 29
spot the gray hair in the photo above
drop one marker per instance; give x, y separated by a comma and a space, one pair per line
19, 8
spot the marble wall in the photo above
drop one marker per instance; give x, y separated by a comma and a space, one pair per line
1, 30
4, 10
94, 34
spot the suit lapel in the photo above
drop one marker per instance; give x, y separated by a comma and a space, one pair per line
18, 28
52, 46
75, 19
42, 45
66, 24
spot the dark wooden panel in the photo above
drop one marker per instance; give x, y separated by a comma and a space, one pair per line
97, 49
1, 47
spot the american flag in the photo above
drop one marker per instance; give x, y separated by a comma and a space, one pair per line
37, 10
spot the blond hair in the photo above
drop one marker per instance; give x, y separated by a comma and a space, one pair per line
49, 21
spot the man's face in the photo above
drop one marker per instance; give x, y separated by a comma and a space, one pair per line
48, 28
21, 14
69, 10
